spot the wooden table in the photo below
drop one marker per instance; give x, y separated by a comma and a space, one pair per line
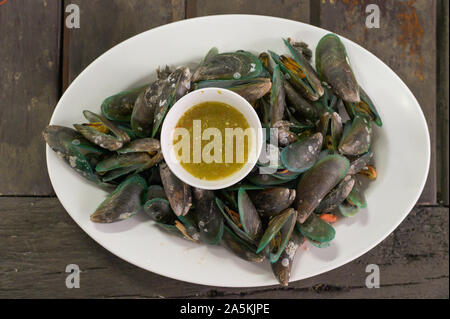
39, 57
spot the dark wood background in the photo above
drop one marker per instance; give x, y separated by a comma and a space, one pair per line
39, 57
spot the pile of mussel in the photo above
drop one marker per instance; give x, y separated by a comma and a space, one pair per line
324, 121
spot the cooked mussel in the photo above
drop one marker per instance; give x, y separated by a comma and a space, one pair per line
124, 202
301, 156
333, 66
178, 193
271, 201
282, 267
227, 66
250, 89
277, 233
73, 148
356, 138
318, 182
209, 218
120, 106
102, 132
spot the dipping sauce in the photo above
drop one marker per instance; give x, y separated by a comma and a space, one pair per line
219, 140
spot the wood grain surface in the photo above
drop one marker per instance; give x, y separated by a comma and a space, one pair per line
39, 59
290, 9
38, 240
29, 84
105, 23
442, 103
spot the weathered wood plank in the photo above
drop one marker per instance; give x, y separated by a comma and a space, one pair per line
29, 67
406, 41
38, 239
289, 9
105, 23
443, 101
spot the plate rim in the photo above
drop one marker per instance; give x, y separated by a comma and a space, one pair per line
274, 19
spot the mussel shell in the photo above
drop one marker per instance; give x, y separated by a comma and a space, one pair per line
178, 84
356, 196
285, 136
229, 198
209, 218
282, 267
286, 175
301, 156
287, 217
307, 68
316, 229
348, 210
211, 53
271, 201
127, 129
122, 203
163, 74
264, 179
327, 103
305, 109
357, 137
158, 209
180, 230
138, 160
333, 66
324, 123
116, 174
190, 224
120, 106
239, 247
299, 81
359, 163
277, 96
154, 191
171, 229
317, 244
251, 222
73, 148
285, 233
337, 195
145, 145
64, 139
336, 130
143, 114
250, 89
236, 229
302, 48
178, 193
265, 61
227, 66
365, 108
144, 111
153, 176
108, 141
317, 182
373, 111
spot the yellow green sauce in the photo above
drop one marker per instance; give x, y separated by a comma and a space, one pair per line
213, 156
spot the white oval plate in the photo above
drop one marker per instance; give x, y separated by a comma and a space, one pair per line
402, 151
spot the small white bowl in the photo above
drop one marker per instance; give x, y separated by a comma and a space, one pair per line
207, 95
